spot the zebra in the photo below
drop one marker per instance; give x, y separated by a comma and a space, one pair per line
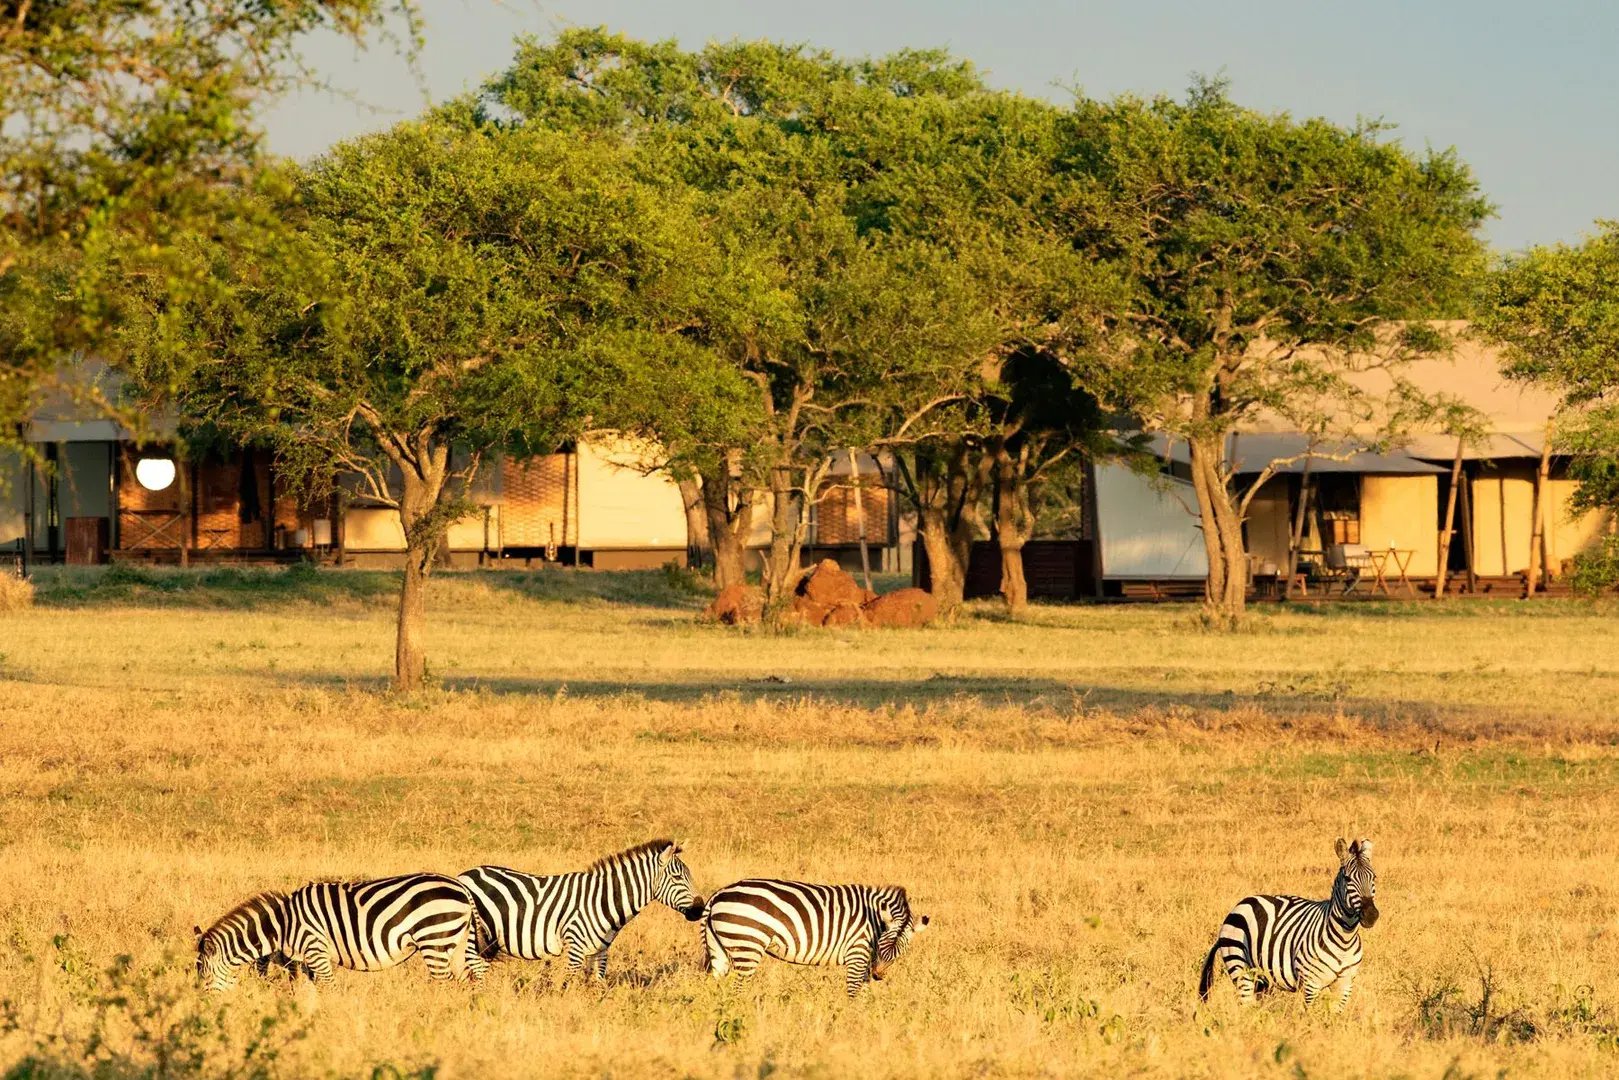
365, 925
1292, 943
578, 913
862, 927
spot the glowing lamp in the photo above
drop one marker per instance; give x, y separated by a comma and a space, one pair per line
155, 473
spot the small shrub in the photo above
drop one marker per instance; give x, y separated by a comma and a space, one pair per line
16, 593
1597, 570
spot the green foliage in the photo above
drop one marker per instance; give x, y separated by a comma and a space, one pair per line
125, 123
1557, 311
1596, 570
141, 1021
432, 285
1267, 263
872, 218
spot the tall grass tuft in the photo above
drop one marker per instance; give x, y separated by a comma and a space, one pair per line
16, 593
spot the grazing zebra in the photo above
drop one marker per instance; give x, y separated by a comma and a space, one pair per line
1292, 943
578, 913
862, 927
365, 925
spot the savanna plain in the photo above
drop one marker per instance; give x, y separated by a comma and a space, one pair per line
1075, 799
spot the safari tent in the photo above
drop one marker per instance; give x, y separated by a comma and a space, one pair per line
1329, 495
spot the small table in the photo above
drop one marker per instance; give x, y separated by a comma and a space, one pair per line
1401, 558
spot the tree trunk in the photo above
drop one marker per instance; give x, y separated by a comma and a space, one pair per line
699, 550
947, 572
410, 649
947, 489
1014, 524
1226, 594
729, 509
424, 479
781, 574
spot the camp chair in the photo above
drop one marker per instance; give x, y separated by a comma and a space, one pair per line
1349, 562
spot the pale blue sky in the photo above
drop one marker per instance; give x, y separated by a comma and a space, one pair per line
1527, 92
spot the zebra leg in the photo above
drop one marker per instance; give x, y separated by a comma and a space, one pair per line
598, 965
719, 964
318, 961
1242, 975
745, 959
857, 967
1346, 979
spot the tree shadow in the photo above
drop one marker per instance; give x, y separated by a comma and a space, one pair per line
1053, 696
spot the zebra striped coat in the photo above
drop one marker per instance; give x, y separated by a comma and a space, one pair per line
862, 927
578, 913
1290, 943
365, 925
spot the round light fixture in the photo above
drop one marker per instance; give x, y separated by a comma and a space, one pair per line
155, 473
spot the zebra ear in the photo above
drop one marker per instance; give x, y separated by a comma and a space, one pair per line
197, 930
1363, 848
670, 851
1342, 848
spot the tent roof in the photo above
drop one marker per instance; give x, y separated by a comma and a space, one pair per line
1289, 450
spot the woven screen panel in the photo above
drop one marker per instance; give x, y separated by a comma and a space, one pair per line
147, 520
535, 505
837, 519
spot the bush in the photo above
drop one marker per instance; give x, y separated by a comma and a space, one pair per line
16, 592
1597, 570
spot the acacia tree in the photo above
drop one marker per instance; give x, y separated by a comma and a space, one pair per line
1268, 261
821, 309
128, 122
972, 178
415, 301
1556, 309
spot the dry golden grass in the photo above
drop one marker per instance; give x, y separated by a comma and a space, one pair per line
1075, 801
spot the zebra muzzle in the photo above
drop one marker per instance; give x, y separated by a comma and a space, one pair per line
1368, 914
694, 910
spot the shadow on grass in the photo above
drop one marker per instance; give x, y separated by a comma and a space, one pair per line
249, 587
1054, 696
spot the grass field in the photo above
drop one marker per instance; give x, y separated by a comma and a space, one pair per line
1075, 800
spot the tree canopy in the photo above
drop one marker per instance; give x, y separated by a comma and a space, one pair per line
128, 123
1557, 310
415, 301
1267, 260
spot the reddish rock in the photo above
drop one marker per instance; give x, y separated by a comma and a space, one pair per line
902, 607
736, 605
845, 615
808, 612
830, 585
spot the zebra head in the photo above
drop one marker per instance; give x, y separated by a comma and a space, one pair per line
1355, 890
899, 927
247, 934
671, 884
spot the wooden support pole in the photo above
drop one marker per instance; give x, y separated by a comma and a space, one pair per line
1298, 530
1468, 546
1537, 534
860, 518
188, 515
1450, 522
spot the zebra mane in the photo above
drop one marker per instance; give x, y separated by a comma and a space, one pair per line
268, 898
628, 854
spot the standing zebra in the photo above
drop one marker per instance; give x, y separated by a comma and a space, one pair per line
1293, 943
365, 925
862, 927
578, 913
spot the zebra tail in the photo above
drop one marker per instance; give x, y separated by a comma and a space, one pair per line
1207, 981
